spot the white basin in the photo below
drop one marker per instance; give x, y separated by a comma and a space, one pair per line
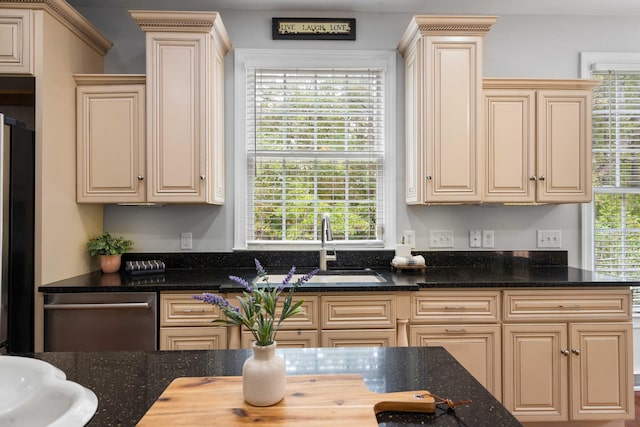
331, 278
35, 393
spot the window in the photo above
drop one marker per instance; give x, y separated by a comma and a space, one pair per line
314, 138
614, 217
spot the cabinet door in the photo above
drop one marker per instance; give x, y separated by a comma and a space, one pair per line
535, 371
16, 52
601, 371
177, 117
510, 164
452, 89
193, 338
111, 143
476, 347
564, 146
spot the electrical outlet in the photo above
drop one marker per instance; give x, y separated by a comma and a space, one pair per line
409, 238
488, 239
186, 241
475, 239
549, 239
441, 238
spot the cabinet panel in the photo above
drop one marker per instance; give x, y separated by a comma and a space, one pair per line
510, 146
564, 146
601, 369
476, 347
451, 141
200, 338
358, 338
16, 50
288, 339
455, 306
348, 312
558, 305
110, 141
535, 372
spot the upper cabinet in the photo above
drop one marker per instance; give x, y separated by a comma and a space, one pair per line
443, 91
110, 138
185, 105
537, 140
16, 48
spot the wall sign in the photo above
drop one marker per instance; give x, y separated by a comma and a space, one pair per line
314, 28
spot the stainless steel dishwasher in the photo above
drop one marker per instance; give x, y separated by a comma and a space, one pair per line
101, 321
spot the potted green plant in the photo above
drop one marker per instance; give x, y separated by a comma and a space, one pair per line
109, 249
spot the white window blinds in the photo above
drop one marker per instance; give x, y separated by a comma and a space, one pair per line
315, 144
616, 172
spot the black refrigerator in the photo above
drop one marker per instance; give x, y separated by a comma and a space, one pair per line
17, 220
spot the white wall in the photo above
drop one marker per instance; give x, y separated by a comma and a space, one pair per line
517, 46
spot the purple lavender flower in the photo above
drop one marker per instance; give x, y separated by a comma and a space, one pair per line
259, 268
242, 282
211, 299
287, 279
307, 276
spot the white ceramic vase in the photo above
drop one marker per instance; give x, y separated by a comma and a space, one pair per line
263, 376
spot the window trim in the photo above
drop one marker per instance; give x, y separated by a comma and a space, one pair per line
587, 61
292, 58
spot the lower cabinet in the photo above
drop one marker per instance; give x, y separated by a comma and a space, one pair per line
358, 320
568, 372
476, 347
185, 323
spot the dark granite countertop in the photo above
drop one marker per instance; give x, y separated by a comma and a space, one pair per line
128, 383
210, 272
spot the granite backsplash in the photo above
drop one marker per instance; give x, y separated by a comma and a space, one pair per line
350, 258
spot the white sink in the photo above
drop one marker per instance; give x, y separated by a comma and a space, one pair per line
331, 278
34, 393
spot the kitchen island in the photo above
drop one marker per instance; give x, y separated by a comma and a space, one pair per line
128, 383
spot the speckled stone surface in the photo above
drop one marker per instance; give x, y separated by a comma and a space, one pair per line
128, 383
456, 269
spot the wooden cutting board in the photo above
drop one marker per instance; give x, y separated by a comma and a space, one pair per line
317, 400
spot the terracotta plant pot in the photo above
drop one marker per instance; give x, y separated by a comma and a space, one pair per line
110, 263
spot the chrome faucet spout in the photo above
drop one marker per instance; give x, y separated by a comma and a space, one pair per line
325, 235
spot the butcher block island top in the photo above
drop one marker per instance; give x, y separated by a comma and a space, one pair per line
128, 385
341, 400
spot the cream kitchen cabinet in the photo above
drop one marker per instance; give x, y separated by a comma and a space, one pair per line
185, 105
556, 370
110, 120
357, 320
185, 323
537, 141
467, 324
443, 109
16, 41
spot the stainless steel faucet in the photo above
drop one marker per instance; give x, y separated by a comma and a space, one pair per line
326, 235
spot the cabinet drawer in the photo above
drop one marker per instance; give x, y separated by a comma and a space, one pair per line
198, 338
560, 305
287, 339
182, 310
357, 311
359, 338
307, 318
455, 306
